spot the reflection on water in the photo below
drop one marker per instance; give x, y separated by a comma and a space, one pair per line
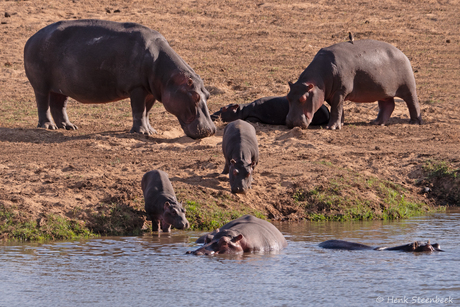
155, 271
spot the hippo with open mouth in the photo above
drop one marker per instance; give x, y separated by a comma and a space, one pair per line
100, 61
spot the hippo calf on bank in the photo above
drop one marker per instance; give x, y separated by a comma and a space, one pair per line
415, 247
245, 234
266, 110
99, 61
241, 152
359, 71
161, 204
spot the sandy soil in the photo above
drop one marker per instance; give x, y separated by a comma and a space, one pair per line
243, 50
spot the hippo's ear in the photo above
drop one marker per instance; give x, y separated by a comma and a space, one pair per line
234, 107
223, 109
237, 238
290, 84
166, 206
190, 82
232, 161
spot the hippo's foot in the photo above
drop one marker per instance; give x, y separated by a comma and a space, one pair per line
143, 130
377, 122
416, 121
68, 126
334, 126
47, 125
166, 228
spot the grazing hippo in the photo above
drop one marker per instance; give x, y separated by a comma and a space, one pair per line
415, 247
359, 71
161, 204
266, 110
245, 234
99, 61
241, 152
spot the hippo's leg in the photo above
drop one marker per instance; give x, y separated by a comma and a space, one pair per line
44, 114
149, 102
226, 168
386, 107
414, 107
140, 101
58, 104
165, 226
337, 113
155, 224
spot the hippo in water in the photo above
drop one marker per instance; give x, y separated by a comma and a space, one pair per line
266, 110
415, 247
359, 71
161, 204
245, 234
99, 61
241, 152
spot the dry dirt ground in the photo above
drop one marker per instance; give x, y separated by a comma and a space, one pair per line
243, 50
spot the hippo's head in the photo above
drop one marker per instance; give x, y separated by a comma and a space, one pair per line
174, 214
185, 97
418, 247
304, 100
224, 242
229, 113
240, 175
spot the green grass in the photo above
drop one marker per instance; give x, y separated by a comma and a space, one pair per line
350, 196
209, 217
52, 227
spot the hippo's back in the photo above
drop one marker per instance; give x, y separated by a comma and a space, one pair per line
261, 234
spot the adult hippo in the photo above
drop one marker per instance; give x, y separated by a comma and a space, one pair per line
161, 204
359, 71
243, 235
266, 110
99, 61
241, 153
415, 247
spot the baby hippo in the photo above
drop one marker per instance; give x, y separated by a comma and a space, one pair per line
161, 204
241, 152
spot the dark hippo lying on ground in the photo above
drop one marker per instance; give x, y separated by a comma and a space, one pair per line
161, 204
411, 247
241, 152
98, 61
359, 71
266, 110
245, 234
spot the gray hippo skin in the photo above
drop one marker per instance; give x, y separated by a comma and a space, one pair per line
266, 110
161, 204
362, 71
98, 61
415, 247
241, 152
245, 234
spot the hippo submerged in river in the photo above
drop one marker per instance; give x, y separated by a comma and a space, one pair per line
161, 204
245, 234
359, 71
415, 247
266, 110
98, 61
241, 152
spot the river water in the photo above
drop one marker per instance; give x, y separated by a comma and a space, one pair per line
155, 271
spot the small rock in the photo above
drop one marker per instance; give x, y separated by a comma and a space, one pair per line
426, 190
